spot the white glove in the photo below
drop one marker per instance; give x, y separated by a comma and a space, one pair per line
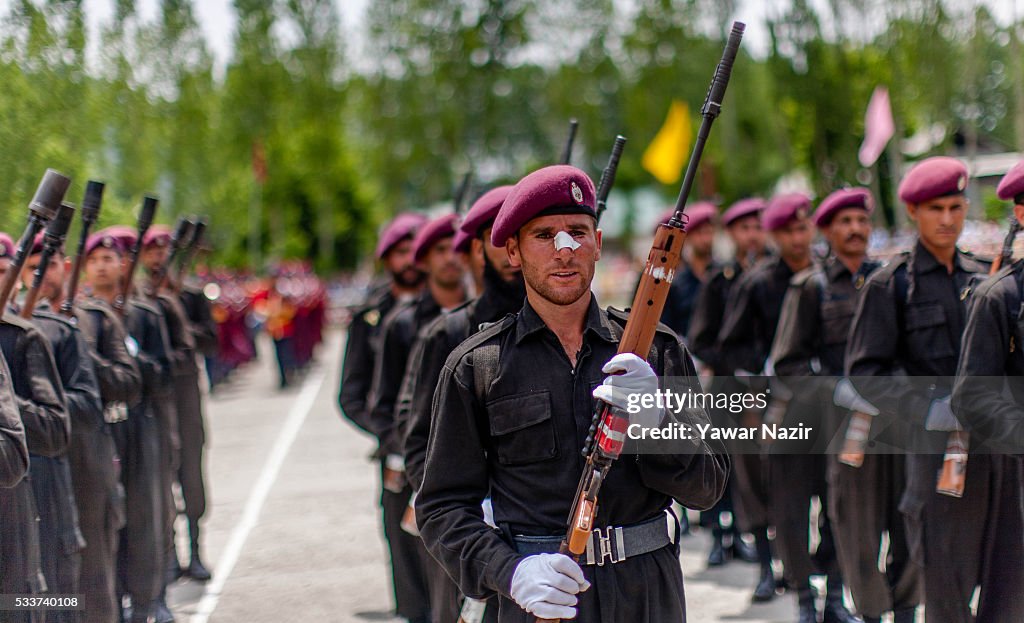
545, 585
846, 396
940, 416
637, 378
131, 345
488, 510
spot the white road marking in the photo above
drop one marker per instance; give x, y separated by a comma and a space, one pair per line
251, 514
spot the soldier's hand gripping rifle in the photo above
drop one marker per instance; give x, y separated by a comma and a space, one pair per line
190, 252
953, 477
179, 241
145, 220
608, 176
608, 431
90, 214
56, 231
567, 152
41, 210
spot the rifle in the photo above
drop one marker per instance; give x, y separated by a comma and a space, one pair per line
567, 152
604, 187
146, 215
52, 241
953, 477
190, 250
90, 214
460, 193
179, 239
43, 207
607, 433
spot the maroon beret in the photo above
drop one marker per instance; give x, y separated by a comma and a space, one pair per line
558, 189
933, 177
158, 236
105, 241
700, 213
484, 210
841, 199
462, 241
1012, 184
401, 227
6, 245
126, 236
743, 207
432, 233
783, 209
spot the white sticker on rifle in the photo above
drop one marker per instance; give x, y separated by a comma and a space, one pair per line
564, 241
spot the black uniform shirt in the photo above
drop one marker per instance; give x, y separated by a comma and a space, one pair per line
520, 442
708, 315
429, 353
361, 356
118, 376
911, 316
992, 362
752, 316
13, 451
816, 317
682, 299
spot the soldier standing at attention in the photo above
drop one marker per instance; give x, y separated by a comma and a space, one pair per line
511, 412
395, 251
991, 363
860, 503
698, 264
911, 317
751, 319
742, 221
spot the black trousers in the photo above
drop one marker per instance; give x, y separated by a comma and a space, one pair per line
970, 541
192, 435
409, 558
643, 589
864, 505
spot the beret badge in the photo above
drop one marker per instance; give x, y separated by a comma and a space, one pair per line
577, 193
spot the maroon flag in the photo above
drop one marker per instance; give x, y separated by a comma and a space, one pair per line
878, 127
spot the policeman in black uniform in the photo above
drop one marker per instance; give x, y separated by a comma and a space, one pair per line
395, 251
60, 537
503, 294
698, 265
811, 342
511, 412
742, 221
987, 399
911, 316
93, 453
748, 330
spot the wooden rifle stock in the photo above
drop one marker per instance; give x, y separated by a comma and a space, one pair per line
41, 210
953, 477
91, 204
52, 240
608, 429
146, 215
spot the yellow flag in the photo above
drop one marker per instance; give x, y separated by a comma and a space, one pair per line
665, 156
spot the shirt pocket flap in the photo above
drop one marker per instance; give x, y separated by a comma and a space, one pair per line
514, 413
924, 316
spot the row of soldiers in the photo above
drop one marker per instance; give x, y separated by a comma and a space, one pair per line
480, 407
103, 415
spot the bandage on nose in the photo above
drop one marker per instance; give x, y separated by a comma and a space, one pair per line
564, 241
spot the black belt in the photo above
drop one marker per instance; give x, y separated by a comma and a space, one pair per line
615, 543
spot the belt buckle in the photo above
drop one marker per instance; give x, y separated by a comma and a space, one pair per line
610, 545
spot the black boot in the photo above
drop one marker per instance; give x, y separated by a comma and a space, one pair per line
906, 615
741, 550
806, 610
161, 613
196, 570
765, 590
716, 557
835, 611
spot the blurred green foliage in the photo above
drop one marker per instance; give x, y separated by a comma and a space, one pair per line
448, 85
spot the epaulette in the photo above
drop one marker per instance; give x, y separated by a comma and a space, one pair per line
17, 321
49, 315
485, 333
144, 306
889, 268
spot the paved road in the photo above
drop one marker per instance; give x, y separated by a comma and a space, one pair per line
292, 532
